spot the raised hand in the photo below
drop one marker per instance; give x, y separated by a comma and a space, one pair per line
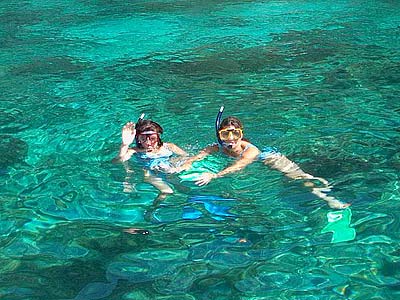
128, 133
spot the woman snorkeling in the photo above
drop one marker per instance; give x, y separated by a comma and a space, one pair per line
150, 150
231, 142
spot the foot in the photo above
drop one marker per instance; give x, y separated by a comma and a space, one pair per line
336, 204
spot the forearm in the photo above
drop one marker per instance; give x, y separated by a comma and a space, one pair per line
239, 165
205, 178
189, 161
231, 169
123, 153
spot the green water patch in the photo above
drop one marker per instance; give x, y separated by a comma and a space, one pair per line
146, 266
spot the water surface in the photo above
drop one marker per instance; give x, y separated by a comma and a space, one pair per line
317, 80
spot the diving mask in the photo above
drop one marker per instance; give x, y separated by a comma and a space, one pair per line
230, 134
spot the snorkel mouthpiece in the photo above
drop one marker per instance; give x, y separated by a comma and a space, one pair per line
218, 123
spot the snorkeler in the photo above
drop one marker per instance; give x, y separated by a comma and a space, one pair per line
232, 143
150, 150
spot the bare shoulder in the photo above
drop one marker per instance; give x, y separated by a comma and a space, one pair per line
174, 148
171, 146
250, 151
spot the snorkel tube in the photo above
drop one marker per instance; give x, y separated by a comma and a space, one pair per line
136, 127
139, 120
218, 123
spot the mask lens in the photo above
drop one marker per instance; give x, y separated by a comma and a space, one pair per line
151, 137
233, 134
224, 135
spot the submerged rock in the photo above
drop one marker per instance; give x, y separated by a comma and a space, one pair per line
12, 151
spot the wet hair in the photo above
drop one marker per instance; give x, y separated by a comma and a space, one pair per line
148, 125
231, 121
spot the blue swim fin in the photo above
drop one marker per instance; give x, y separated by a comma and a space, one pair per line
189, 213
214, 205
217, 209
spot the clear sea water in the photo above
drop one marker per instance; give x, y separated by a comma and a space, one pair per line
319, 80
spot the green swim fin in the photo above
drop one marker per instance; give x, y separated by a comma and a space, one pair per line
339, 225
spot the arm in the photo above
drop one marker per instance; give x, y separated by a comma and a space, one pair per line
176, 160
247, 158
128, 135
290, 169
177, 150
183, 163
203, 153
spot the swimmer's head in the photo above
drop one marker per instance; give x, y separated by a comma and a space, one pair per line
148, 134
230, 131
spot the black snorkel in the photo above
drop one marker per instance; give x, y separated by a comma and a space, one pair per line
218, 123
136, 127
139, 120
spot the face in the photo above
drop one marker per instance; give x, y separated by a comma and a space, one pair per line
148, 141
230, 135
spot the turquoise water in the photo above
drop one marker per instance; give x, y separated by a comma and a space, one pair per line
318, 80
